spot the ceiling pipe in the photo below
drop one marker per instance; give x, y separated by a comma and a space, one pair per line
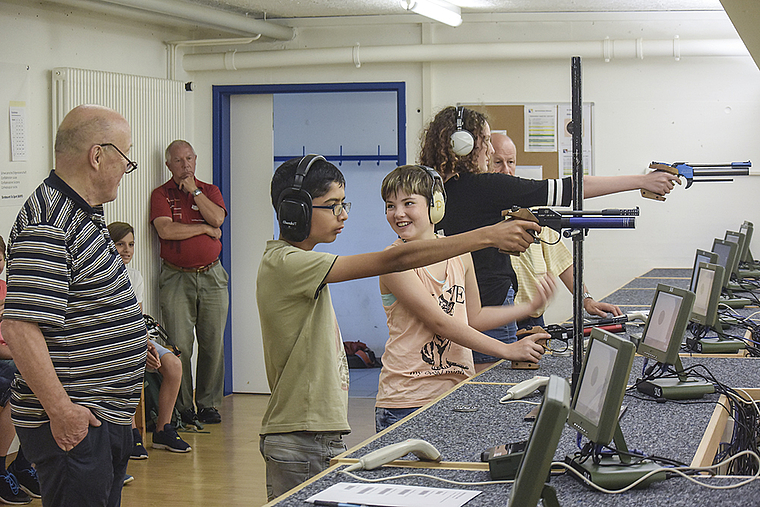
174, 13
355, 55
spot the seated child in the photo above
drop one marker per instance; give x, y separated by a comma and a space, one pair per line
165, 436
19, 482
434, 312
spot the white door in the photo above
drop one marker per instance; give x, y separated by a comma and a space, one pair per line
251, 225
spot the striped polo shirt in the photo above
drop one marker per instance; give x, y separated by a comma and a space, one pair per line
65, 275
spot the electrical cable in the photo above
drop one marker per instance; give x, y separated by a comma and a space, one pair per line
676, 470
682, 471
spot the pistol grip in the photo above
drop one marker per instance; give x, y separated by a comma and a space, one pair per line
652, 195
658, 166
522, 214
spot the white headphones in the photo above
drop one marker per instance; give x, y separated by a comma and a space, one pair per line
462, 141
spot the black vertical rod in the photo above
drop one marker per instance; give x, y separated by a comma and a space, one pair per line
577, 132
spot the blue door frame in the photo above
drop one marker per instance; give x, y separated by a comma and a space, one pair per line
221, 145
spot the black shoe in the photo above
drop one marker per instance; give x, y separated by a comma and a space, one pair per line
169, 439
10, 491
188, 416
138, 451
27, 479
209, 415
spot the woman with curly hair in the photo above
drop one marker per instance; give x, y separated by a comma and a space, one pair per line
475, 197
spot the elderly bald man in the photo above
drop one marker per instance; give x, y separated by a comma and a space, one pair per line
544, 258
72, 321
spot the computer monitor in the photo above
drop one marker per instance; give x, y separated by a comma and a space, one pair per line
595, 413
726, 257
702, 256
738, 238
542, 444
704, 315
601, 386
664, 330
661, 341
707, 294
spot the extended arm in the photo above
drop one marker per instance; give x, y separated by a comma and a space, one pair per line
69, 422
659, 182
591, 306
509, 235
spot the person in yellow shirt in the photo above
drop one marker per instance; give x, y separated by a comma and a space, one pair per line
551, 256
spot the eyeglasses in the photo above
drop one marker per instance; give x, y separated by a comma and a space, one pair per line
337, 209
131, 166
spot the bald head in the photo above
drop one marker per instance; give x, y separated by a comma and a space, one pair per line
87, 152
84, 126
504, 158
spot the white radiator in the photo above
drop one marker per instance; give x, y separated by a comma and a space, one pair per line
155, 109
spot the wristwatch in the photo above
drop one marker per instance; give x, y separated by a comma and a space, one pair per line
197, 192
586, 296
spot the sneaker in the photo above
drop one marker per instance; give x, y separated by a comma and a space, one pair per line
27, 480
127, 479
169, 439
10, 492
138, 451
209, 415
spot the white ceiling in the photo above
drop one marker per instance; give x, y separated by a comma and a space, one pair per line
339, 8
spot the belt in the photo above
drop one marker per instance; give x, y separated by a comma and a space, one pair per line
201, 269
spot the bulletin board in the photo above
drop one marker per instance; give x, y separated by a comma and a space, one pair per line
511, 118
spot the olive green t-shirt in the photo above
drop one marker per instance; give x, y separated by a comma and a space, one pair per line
303, 350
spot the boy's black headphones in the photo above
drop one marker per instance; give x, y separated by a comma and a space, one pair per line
462, 141
437, 207
294, 204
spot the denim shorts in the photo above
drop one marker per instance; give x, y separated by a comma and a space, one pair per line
385, 417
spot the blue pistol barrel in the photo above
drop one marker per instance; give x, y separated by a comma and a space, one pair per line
599, 222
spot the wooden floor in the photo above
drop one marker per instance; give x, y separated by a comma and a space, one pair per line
225, 467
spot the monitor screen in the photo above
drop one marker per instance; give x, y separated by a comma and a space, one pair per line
601, 386
738, 238
702, 256
668, 317
594, 389
705, 279
726, 257
707, 294
542, 444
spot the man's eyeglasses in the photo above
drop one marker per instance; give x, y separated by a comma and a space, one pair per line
337, 209
131, 166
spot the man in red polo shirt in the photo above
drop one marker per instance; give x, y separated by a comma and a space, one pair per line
187, 214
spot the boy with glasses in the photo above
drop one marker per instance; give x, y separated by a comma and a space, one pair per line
306, 365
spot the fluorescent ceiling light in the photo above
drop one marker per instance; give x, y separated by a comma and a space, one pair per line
439, 10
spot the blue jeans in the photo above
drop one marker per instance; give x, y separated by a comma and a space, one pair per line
293, 458
385, 417
506, 334
90, 474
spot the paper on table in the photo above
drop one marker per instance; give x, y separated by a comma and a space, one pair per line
394, 495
